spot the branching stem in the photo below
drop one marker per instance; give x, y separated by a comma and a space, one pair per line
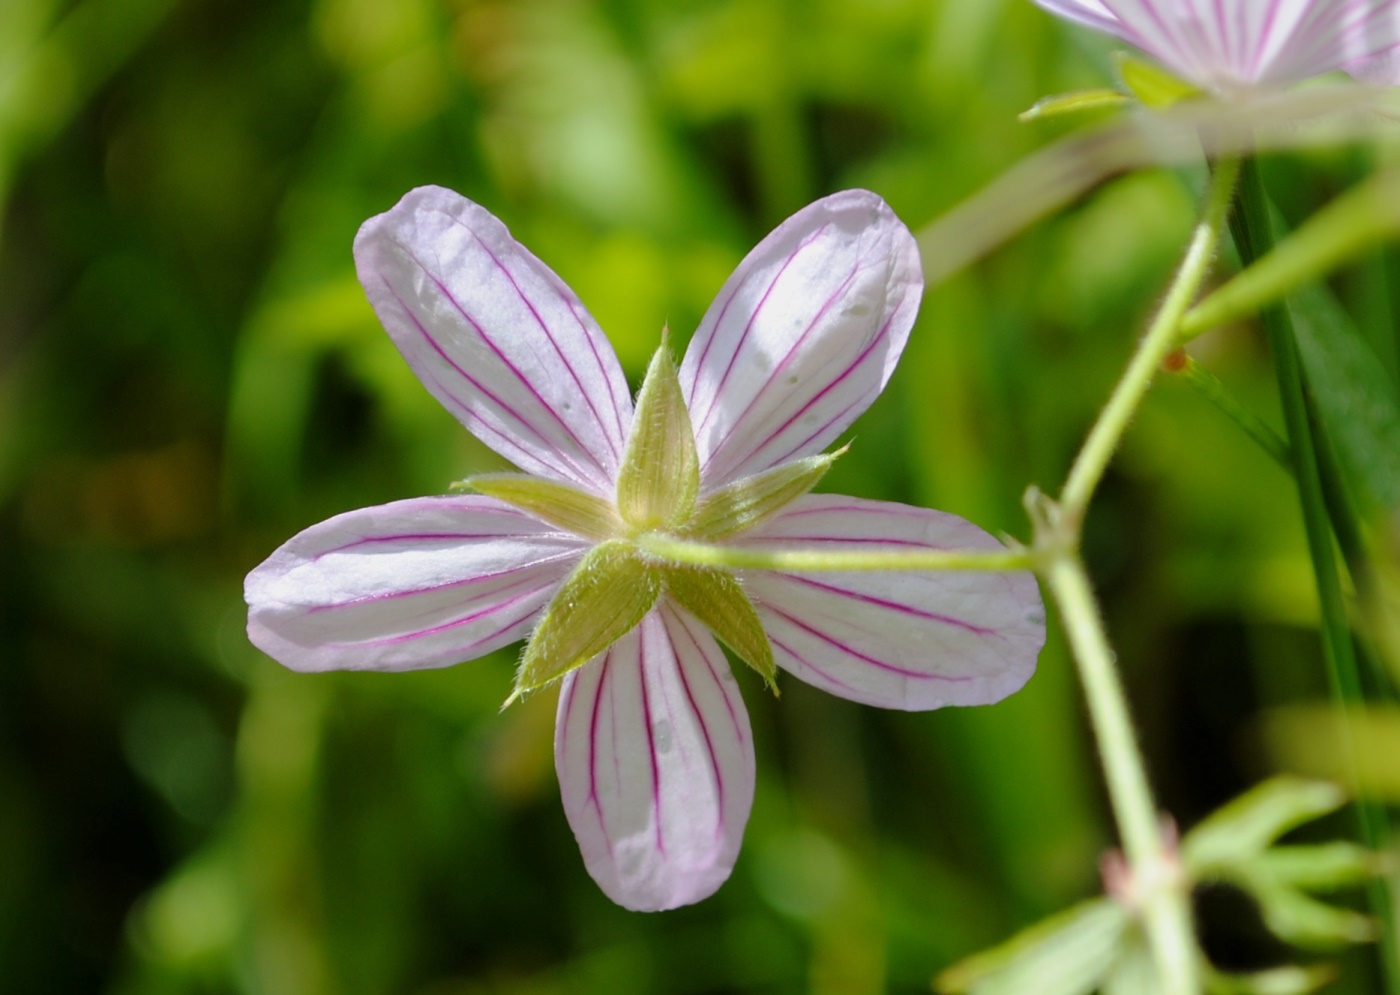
1160, 889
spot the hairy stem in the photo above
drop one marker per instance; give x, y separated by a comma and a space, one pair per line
1159, 891
703, 554
1103, 439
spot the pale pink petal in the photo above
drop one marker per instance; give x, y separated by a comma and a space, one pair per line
802, 337
1370, 50
497, 337
656, 764
1381, 69
1090, 12
1205, 41
1233, 44
1312, 37
907, 640
422, 583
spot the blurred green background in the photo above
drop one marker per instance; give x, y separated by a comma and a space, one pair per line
189, 374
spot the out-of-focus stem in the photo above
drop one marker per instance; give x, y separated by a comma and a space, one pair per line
1254, 238
1354, 223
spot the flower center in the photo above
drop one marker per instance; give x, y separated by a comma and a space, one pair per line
617, 583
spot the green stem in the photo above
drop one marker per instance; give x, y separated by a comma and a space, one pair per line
1209, 386
1254, 238
1356, 222
1158, 888
703, 554
1103, 439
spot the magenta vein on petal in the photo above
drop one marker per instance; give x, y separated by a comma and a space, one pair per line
852, 651
700, 717
748, 329
539, 320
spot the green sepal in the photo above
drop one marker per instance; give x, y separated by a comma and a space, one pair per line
557, 503
719, 602
1155, 87
606, 596
745, 503
1073, 103
659, 480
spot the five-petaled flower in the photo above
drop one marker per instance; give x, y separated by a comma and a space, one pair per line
652, 742
1233, 45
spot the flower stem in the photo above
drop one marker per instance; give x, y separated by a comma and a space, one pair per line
1209, 386
1159, 890
737, 557
1103, 439
1354, 223
1254, 238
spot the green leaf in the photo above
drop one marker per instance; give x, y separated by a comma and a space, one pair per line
605, 597
1067, 954
745, 503
718, 600
1322, 867
1306, 922
1279, 981
1073, 103
1155, 87
1356, 401
557, 503
659, 480
1243, 828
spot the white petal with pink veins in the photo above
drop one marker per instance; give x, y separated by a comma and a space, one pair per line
802, 337
656, 764
1245, 43
496, 337
422, 583
908, 640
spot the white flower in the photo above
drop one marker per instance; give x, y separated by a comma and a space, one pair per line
1231, 45
652, 744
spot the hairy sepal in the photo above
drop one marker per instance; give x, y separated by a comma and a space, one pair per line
607, 595
747, 502
719, 602
552, 501
659, 481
